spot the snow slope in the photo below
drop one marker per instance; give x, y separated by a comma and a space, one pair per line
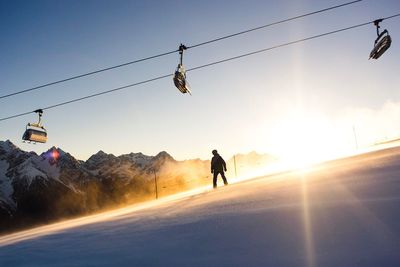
341, 213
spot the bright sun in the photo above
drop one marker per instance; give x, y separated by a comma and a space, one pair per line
300, 140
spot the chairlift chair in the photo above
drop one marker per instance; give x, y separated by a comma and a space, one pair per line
382, 42
180, 80
180, 74
35, 132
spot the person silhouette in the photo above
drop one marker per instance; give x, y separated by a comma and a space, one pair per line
218, 166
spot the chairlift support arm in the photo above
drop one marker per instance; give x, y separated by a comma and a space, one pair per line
376, 23
40, 113
182, 47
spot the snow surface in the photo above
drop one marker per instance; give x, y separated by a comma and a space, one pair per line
28, 173
342, 213
52, 170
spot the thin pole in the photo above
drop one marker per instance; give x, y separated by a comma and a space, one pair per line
355, 136
234, 163
155, 183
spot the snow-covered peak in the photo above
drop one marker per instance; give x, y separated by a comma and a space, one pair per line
101, 153
56, 150
99, 157
138, 155
137, 158
58, 156
7, 147
145, 160
164, 156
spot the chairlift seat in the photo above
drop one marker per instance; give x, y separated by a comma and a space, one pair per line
180, 80
35, 133
382, 43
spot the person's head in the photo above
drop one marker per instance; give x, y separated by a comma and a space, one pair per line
215, 152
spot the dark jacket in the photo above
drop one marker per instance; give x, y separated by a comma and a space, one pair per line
218, 164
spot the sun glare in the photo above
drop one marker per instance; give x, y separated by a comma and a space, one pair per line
301, 140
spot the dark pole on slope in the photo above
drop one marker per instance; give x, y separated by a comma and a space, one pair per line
155, 183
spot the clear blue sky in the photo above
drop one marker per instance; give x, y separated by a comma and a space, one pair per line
255, 103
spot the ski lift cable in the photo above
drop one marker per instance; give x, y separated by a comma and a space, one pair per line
287, 44
91, 96
272, 24
88, 74
173, 51
200, 67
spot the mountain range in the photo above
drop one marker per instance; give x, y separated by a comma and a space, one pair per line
37, 189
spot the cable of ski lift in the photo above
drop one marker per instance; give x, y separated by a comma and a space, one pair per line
88, 74
174, 51
271, 24
200, 67
290, 43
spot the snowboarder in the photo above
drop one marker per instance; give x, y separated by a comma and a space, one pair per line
218, 166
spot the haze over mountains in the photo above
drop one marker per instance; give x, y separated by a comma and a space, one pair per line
36, 189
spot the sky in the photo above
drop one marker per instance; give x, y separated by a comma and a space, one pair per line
309, 100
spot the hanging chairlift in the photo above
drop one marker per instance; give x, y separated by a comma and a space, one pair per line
180, 74
35, 132
382, 42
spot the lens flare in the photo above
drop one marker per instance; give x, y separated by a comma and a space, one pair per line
55, 154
